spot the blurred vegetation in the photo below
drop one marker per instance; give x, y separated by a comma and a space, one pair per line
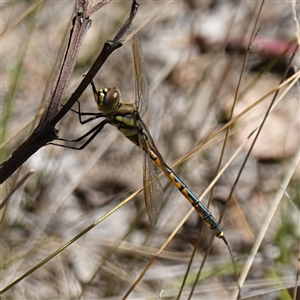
194, 52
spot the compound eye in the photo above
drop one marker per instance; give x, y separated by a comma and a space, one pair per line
111, 99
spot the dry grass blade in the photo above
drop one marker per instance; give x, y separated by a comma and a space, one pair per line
268, 219
18, 184
21, 18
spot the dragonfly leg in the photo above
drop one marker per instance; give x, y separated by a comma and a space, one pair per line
80, 114
96, 96
93, 132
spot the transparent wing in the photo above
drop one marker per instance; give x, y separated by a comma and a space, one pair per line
152, 189
140, 81
156, 151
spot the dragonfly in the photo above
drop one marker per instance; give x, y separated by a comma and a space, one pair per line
127, 117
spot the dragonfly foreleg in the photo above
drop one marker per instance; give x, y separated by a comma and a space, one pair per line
94, 91
80, 114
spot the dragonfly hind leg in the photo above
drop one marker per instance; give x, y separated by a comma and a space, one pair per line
93, 132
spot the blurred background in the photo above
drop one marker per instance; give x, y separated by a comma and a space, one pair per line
195, 52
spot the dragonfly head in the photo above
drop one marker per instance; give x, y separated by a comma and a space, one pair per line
108, 99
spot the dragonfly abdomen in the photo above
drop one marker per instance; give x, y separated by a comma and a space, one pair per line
200, 208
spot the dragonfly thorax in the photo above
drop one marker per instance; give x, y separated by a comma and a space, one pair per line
126, 119
108, 99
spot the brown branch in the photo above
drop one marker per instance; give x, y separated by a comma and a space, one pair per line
45, 132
